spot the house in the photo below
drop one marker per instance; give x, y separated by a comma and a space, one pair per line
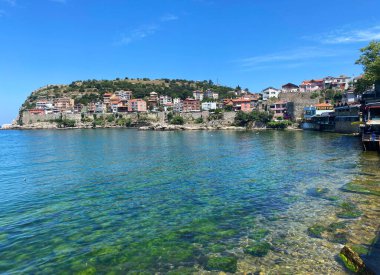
177, 105
242, 104
279, 110
137, 105
312, 85
106, 98
210, 94
340, 83
153, 100
114, 103
198, 95
270, 92
64, 104
207, 106
254, 99
164, 99
191, 105
36, 112
290, 88
350, 97
124, 95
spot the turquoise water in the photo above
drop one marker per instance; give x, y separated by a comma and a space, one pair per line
119, 201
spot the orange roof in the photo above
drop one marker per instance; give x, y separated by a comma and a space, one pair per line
107, 94
323, 105
241, 100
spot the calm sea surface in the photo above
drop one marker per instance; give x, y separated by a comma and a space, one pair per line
119, 201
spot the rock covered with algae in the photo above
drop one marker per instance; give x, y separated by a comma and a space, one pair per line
353, 262
222, 263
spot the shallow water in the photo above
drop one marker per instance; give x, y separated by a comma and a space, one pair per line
130, 201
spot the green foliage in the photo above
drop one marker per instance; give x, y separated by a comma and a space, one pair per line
227, 264
243, 118
370, 60
111, 118
216, 115
177, 120
279, 124
228, 108
362, 85
65, 123
314, 95
199, 120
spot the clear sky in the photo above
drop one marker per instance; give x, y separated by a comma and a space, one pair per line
251, 43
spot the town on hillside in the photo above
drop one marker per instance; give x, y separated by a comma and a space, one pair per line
326, 104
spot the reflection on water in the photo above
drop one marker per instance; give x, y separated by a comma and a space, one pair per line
128, 201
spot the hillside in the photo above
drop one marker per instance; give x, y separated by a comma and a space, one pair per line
88, 91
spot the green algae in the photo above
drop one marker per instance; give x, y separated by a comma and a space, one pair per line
333, 227
88, 271
222, 263
258, 234
361, 189
182, 271
348, 264
348, 211
316, 230
340, 237
259, 249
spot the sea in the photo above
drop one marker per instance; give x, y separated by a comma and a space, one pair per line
123, 201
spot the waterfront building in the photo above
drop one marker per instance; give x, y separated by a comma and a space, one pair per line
309, 112
312, 85
191, 105
270, 92
114, 103
290, 88
347, 118
198, 95
137, 105
106, 98
323, 108
207, 106
241, 104
279, 110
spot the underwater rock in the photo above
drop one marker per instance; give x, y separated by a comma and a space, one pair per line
316, 230
220, 263
353, 261
258, 250
349, 211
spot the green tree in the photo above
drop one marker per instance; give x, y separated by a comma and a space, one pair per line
370, 60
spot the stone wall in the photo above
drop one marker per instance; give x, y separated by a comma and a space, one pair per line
159, 117
298, 102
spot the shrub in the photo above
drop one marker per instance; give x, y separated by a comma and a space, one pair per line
278, 124
177, 120
199, 120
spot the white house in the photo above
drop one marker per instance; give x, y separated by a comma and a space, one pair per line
198, 95
207, 106
164, 100
270, 92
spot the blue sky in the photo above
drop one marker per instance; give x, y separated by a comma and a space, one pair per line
254, 44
